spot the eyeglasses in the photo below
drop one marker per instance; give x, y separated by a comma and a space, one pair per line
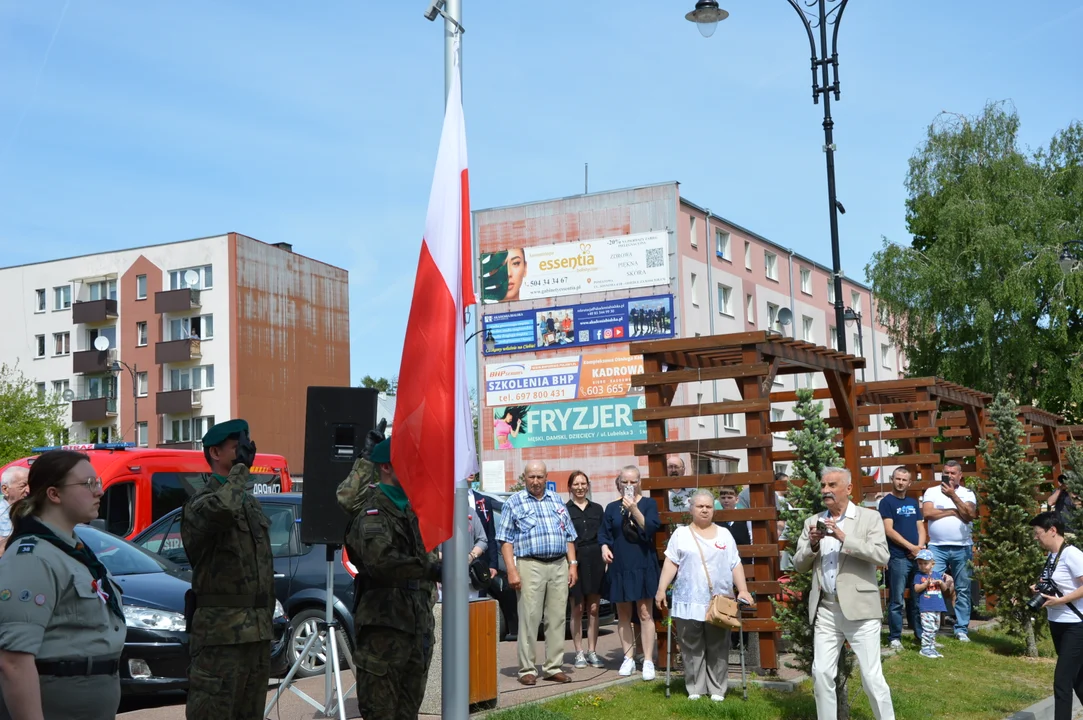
93, 484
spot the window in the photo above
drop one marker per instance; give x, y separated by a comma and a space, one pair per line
141, 334
855, 301
109, 333
170, 490
190, 429
857, 348
806, 329
141, 384
806, 281
281, 528
834, 333
116, 507
885, 356
692, 230
699, 401
776, 416
748, 255
729, 421
810, 380
695, 290
782, 468
196, 378
39, 300
39, 341
724, 296
201, 425
104, 290
203, 278
722, 244
99, 435
772, 317
881, 314
41, 390
141, 434
831, 290
62, 297
156, 536
750, 309
61, 343
140, 287
770, 265
59, 388
200, 327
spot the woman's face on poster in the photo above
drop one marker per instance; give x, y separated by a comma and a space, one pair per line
516, 265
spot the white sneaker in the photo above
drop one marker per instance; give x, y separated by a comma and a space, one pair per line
627, 667
717, 698
648, 670
580, 660
962, 637
895, 645
693, 697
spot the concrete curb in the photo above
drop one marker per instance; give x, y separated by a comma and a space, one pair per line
1044, 711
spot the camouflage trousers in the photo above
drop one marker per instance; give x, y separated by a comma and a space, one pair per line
392, 667
228, 682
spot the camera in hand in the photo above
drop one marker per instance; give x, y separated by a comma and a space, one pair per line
1043, 587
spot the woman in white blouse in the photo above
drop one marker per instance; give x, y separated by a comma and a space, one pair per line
704, 647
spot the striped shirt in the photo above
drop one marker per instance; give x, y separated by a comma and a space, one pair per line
536, 528
5, 519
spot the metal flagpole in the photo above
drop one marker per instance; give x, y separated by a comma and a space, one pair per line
455, 679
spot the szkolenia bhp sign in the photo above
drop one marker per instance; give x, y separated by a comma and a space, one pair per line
598, 375
574, 268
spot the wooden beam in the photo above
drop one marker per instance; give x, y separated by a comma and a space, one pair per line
902, 434
844, 405
769, 379
697, 481
889, 408
722, 372
708, 342
709, 444
923, 459
705, 410
754, 513
791, 395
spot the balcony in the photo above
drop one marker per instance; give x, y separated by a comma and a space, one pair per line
176, 301
93, 311
174, 351
91, 361
93, 409
176, 402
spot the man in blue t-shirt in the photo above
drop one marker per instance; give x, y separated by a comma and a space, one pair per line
906, 535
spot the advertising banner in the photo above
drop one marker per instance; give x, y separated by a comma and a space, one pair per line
579, 422
570, 326
563, 378
574, 268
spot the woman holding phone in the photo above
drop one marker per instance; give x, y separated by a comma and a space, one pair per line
627, 540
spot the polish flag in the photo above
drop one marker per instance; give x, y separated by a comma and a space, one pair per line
433, 451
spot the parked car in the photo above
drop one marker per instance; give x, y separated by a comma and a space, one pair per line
508, 621
155, 656
300, 575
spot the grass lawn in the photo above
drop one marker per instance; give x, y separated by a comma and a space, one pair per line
987, 679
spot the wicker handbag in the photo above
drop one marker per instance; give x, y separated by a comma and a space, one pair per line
722, 611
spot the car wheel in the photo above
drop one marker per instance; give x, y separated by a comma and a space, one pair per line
304, 627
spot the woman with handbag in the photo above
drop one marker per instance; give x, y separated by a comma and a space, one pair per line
703, 558
627, 540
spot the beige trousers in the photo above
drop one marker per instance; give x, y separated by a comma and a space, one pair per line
543, 596
705, 651
832, 629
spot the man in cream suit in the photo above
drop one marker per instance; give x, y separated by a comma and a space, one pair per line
843, 547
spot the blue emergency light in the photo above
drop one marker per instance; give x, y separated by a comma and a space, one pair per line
86, 446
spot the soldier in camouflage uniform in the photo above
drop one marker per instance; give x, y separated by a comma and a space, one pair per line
225, 536
395, 593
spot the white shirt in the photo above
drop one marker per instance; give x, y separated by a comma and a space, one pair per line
691, 595
1066, 577
948, 530
830, 547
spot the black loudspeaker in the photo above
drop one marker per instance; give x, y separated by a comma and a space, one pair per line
337, 419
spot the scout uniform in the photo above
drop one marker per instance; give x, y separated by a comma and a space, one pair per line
52, 608
395, 593
225, 536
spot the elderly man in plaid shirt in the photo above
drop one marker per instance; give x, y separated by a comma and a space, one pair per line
539, 553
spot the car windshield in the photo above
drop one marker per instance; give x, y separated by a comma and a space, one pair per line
118, 555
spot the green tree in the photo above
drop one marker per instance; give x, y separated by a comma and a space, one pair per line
1009, 559
382, 384
27, 419
814, 447
979, 298
1074, 481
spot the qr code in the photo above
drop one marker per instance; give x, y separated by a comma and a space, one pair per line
584, 336
655, 257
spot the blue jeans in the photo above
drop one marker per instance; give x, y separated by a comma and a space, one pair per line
956, 558
901, 576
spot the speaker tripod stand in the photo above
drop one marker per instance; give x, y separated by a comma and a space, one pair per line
330, 630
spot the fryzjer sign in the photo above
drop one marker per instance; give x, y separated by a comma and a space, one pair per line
570, 326
563, 378
571, 423
574, 268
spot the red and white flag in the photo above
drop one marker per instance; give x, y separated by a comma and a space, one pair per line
433, 449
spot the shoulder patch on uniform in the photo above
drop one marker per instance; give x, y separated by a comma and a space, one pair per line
27, 544
372, 527
5, 595
373, 511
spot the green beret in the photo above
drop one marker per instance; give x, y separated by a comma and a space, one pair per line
381, 453
223, 431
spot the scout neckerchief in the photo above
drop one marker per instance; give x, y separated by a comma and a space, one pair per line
107, 591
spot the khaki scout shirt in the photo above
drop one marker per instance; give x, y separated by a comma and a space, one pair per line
49, 607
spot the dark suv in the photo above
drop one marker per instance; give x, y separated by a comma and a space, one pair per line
300, 574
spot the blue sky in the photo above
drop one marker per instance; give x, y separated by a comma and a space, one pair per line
317, 123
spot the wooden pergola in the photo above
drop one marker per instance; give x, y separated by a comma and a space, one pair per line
752, 360
1041, 430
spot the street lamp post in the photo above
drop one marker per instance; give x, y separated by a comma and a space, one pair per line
133, 370
1071, 255
707, 15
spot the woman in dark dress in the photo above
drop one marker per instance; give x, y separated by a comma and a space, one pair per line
587, 518
627, 539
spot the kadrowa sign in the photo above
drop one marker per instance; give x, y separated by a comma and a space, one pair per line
574, 268
563, 378
570, 423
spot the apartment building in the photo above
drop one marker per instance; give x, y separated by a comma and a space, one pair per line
154, 344
723, 278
